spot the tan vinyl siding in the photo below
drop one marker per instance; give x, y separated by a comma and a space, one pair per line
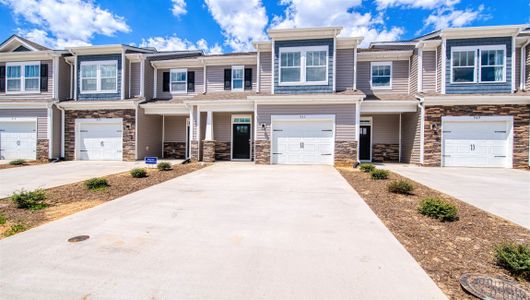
135, 79
344, 73
517, 68
385, 129
56, 123
265, 72
199, 85
410, 137
439, 69
148, 80
175, 128
40, 96
413, 82
221, 127
344, 117
527, 67
126, 70
215, 76
400, 78
149, 135
65, 80
429, 71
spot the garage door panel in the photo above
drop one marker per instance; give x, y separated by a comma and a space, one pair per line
18, 140
100, 141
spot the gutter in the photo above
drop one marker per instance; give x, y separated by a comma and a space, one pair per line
421, 106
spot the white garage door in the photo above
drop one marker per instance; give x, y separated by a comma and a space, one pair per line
477, 143
303, 142
18, 140
100, 141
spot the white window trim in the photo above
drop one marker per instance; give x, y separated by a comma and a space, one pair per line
303, 66
242, 79
185, 71
22, 66
381, 63
98, 76
477, 74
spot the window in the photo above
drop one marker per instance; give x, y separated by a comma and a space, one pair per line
463, 66
237, 78
381, 75
99, 77
304, 66
23, 77
492, 65
483, 64
178, 82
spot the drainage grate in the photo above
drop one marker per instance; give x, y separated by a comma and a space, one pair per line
489, 287
78, 238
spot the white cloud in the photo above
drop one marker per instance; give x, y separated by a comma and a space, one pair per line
449, 17
425, 4
179, 8
316, 13
242, 21
172, 43
61, 23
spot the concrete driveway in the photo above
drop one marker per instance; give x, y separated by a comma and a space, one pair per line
230, 231
56, 174
503, 192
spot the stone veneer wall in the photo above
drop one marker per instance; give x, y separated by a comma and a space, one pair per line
129, 121
385, 152
520, 113
175, 150
194, 150
222, 150
43, 147
345, 153
263, 152
208, 151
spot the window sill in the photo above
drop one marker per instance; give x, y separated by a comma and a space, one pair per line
375, 88
98, 92
316, 83
23, 93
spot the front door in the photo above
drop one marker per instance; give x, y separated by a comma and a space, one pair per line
365, 143
241, 141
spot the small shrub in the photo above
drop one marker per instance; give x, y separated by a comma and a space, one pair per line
366, 168
2, 219
438, 209
378, 174
97, 183
515, 258
138, 173
163, 166
14, 229
400, 187
33, 200
17, 162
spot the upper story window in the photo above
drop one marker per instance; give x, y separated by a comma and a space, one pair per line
237, 78
179, 81
481, 64
23, 77
303, 66
99, 76
381, 75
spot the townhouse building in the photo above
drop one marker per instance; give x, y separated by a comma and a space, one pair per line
454, 97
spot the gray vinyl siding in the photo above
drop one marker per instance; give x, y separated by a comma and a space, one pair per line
222, 131
215, 77
400, 78
39, 96
429, 71
149, 81
265, 72
100, 96
439, 69
517, 68
56, 123
199, 83
126, 71
473, 88
65, 80
303, 88
410, 137
344, 117
40, 114
344, 73
414, 64
149, 133
175, 128
385, 129
135, 73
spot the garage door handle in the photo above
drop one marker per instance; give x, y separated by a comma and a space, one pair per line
329, 130
447, 155
276, 153
500, 131
83, 150
83, 130
326, 154
500, 156
277, 130
446, 131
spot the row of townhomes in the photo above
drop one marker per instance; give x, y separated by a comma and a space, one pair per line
454, 97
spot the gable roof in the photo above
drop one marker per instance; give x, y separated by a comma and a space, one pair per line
32, 46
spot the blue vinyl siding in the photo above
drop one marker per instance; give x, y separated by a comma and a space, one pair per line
104, 96
475, 88
301, 89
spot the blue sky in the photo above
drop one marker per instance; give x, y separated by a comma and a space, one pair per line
232, 25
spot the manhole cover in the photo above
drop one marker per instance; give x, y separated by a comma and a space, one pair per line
78, 238
493, 288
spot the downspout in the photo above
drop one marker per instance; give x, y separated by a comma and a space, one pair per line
62, 128
163, 133
358, 125
522, 82
50, 130
513, 64
355, 68
334, 63
444, 66
258, 72
204, 77
136, 108
420, 70
122, 96
272, 68
421, 105
71, 78
155, 81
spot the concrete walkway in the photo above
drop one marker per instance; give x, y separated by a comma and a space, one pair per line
56, 174
503, 192
230, 231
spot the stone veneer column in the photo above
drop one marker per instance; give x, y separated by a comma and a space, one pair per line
345, 153
194, 150
43, 148
263, 152
208, 151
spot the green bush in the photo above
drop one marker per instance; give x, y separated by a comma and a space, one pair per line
163, 166
439, 209
366, 168
2, 219
515, 258
17, 162
14, 229
378, 174
33, 200
97, 183
138, 173
400, 187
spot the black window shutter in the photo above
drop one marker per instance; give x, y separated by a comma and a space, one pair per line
165, 82
191, 81
248, 79
2, 79
228, 79
44, 77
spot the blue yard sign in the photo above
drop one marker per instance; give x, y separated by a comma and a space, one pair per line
151, 160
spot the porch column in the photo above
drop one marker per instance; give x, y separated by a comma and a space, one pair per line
208, 135
209, 143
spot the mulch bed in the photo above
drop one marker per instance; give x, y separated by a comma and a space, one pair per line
445, 250
27, 163
71, 198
